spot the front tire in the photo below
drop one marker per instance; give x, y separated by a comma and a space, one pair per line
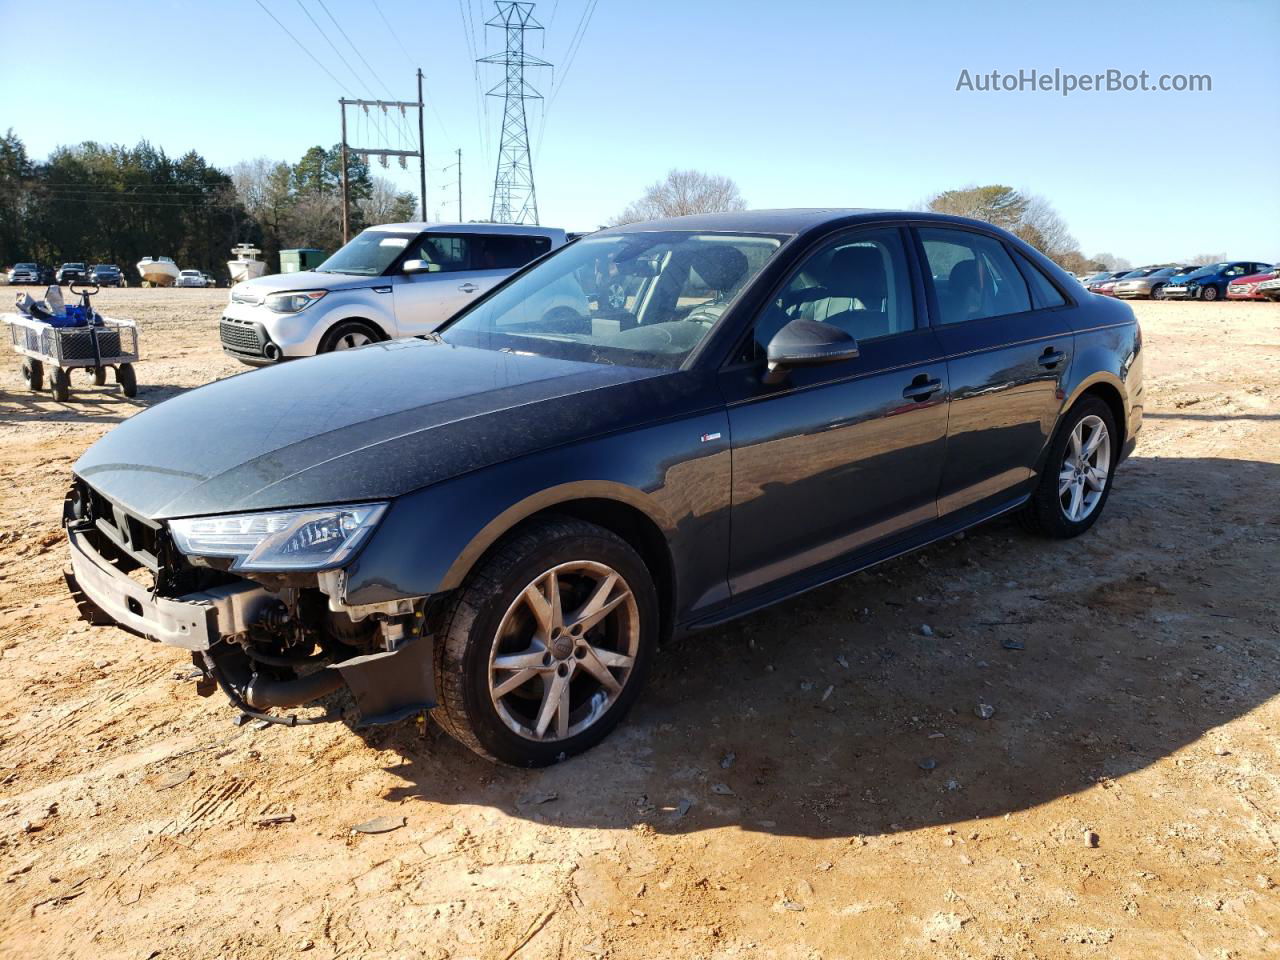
1157, 292
1078, 472
33, 371
348, 335
60, 384
128, 380
546, 645
1209, 294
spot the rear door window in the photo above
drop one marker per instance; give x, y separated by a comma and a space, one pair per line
1043, 293
497, 252
973, 276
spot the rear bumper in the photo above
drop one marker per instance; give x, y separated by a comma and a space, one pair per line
194, 622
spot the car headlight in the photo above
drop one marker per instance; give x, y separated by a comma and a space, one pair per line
313, 539
293, 301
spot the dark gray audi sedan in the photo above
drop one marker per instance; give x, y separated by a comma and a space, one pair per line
650, 431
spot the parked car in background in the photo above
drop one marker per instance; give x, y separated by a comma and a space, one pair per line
106, 275
503, 521
1149, 282
190, 278
1106, 286
1246, 288
1270, 288
209, 281
1210, 282
25, 273
395, 280
72, 273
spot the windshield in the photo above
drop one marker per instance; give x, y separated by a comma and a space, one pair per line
368, 254
1208, 271
25, 266
642, 299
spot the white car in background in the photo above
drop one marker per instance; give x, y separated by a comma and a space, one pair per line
191, 278
395, 280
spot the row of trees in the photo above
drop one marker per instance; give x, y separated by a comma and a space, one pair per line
1030, 217
116, 204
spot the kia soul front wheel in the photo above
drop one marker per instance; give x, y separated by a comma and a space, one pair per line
544, 648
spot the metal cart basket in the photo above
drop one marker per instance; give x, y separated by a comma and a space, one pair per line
96, 347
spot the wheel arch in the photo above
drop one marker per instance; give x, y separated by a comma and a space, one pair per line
375, 325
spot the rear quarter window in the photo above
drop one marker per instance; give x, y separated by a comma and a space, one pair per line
1044, 295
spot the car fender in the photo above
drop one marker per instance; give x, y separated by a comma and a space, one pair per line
431, 539
1111, 356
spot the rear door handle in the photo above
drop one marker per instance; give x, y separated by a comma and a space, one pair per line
1051, 357
468, 288
921, 388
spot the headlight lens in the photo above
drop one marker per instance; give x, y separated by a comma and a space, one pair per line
293, 301
314, 539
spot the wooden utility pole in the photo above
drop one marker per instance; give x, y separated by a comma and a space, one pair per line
422, 151
346, 193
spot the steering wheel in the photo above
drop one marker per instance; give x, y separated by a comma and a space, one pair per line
80, 289
790, 301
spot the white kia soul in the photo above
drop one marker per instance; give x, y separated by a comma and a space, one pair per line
396, 280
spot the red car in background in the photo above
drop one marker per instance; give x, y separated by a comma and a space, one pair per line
1246, 288
1107, 286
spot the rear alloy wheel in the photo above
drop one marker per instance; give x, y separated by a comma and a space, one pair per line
545, 647
1076, 479
348, 335
1209, 294
1157, 292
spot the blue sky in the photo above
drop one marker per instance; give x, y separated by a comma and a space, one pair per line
802, 103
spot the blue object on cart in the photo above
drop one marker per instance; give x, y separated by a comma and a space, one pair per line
75, 316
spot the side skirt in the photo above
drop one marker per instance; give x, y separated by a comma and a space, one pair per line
820, 577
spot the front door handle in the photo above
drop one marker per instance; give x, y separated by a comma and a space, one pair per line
1051, 358
468, 288
921, 388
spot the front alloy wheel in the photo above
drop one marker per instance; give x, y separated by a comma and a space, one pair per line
552, 675
1209, 294
545, 646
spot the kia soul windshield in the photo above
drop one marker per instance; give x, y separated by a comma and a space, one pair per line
642, 299
368, 254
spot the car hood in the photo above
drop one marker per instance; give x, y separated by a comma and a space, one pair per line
305, 280
365, 424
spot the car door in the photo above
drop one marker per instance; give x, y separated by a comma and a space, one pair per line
425, 299
847, 454
1007, 360
494, 257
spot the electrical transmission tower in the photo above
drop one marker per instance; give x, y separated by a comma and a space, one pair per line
514, 198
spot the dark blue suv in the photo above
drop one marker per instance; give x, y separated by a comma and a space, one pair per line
1210, 282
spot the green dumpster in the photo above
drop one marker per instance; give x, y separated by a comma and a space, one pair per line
303, 258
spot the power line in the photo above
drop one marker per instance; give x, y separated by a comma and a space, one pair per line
303, 46
571, 53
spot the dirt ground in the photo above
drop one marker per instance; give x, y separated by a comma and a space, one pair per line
810, 782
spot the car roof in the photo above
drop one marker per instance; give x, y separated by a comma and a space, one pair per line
516, 229
790, 221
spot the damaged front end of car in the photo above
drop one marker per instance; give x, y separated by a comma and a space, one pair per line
259, 601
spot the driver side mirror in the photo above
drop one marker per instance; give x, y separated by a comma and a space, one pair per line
806, 343
420, 266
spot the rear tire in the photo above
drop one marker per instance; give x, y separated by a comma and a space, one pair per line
599, 664
1053, 510
60, 384
349, 334
1157, 292
99, 376
127, 379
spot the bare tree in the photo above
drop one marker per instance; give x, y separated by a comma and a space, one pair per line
386, 204
1204, 259
684, 192
1109, 261
1043, 228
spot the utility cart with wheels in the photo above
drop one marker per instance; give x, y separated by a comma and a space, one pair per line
70, 338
